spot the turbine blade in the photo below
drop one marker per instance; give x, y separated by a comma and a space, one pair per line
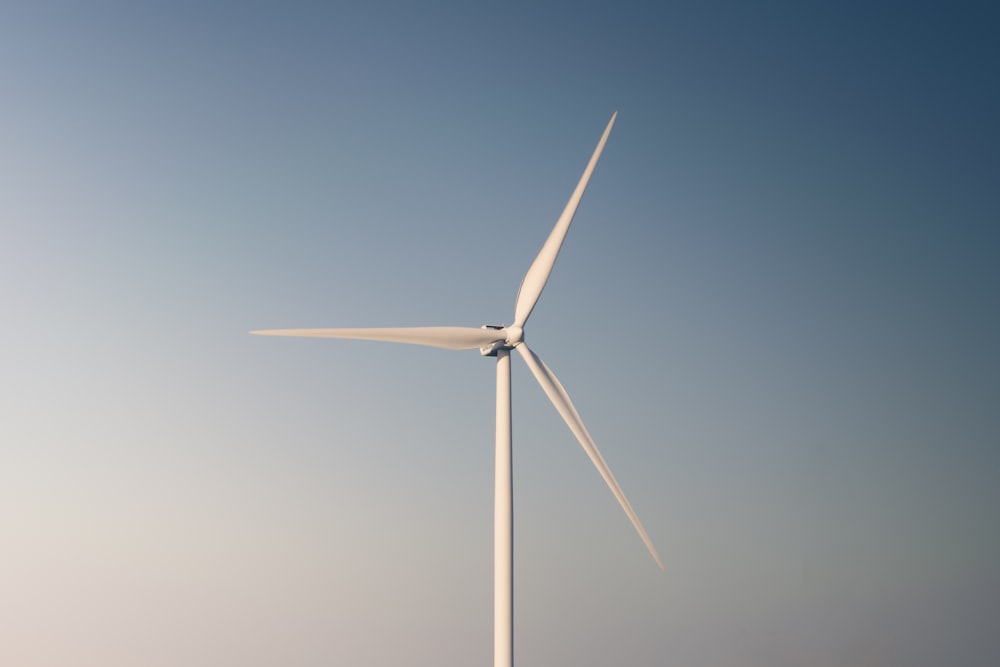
560, 399
449, 338
538, 273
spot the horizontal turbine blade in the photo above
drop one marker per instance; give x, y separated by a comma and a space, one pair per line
449, 338
560, 399
538, 273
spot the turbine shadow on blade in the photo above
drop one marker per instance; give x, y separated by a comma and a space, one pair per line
498, 342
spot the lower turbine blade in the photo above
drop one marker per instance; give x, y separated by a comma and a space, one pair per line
449, 338
560, 399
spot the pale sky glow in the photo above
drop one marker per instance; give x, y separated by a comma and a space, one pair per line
776, 312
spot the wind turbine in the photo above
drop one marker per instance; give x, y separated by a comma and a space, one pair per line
498, 341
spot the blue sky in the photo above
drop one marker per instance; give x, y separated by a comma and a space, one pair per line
776, 312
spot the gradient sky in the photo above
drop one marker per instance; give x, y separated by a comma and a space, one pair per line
776, 311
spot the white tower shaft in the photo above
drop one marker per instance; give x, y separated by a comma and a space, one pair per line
503, 524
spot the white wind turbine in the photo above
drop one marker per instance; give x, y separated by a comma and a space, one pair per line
498, 341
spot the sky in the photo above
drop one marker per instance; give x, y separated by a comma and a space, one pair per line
776, 312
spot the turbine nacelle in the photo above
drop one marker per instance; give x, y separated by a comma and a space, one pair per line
500, 343
512, 337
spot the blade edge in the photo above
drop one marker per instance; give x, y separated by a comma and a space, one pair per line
451, 338
560, 399
537, 276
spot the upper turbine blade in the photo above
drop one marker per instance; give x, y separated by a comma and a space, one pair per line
450, 338
538, 273
554, 389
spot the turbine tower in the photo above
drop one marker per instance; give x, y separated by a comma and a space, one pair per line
498, 341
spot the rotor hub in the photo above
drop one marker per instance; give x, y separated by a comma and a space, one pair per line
515, 336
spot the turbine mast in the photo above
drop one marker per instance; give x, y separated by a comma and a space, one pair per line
503, 523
